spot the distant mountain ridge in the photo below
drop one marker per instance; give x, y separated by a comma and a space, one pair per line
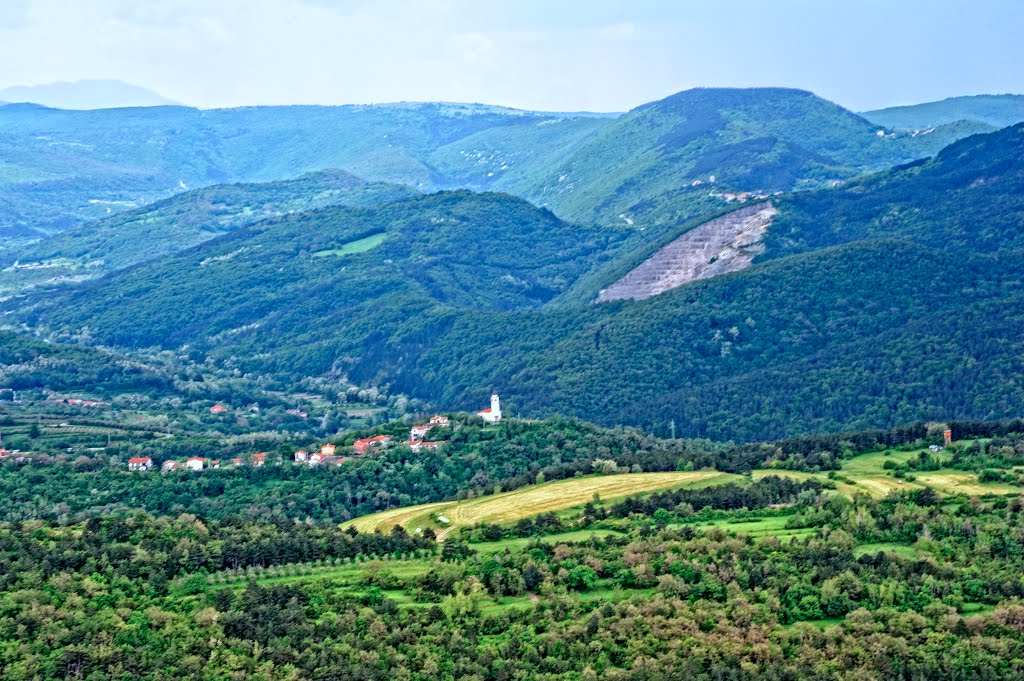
671, 160
85, 94
657, 166
997, 111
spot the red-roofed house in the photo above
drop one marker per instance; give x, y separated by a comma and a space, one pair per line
259, 458
301, 456
327, 450
419, 432
196, 463
218, 409
440, 420
363, 446
417, 446
140, 463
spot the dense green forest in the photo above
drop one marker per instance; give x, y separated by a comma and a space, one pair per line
62, 168
966, 199
180, 222
909, 586
858, 300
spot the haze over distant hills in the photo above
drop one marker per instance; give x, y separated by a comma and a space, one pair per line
995, 111
84, 94
659, 165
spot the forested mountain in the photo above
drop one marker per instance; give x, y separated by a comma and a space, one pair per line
61, 168
341, 275
970, 197
893, 299
177, 223
27, 363
672, 159
997, 111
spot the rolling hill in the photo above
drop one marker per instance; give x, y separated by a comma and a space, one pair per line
60, 168
873, 304
996, 111
671, 160
342, 273
651, 167
178, 223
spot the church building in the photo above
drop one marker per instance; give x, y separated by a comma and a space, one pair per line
492, 415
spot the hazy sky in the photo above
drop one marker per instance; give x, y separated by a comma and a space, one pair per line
605, 55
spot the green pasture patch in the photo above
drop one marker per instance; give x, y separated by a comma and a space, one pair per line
353, 247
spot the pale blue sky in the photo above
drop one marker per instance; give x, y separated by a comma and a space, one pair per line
603, 55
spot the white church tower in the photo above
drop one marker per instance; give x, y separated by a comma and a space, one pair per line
492, 415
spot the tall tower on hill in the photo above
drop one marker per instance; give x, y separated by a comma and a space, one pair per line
492, 415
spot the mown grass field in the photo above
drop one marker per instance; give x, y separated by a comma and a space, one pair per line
864, 474
511, 506
867, 475
762, 527
353, 247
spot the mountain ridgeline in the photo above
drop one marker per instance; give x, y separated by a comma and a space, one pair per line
651, 167
889, 299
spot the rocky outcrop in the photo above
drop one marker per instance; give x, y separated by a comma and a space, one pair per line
726, 244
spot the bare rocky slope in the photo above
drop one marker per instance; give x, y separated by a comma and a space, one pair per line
726, 244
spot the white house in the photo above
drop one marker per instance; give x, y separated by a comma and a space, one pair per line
419, 432
301, 456
195, 463
492, 415
140, 463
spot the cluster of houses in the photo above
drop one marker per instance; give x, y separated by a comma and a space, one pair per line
328, 453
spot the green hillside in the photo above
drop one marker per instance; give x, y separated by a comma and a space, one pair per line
839, 328
997, 111
60, 168
180, 222
655, 164
300, 274
970, 197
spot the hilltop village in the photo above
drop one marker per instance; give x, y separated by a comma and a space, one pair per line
328, 453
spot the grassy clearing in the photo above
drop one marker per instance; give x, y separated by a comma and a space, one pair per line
869, 475
760, 527
350, 575
902, 550
563, 537
529, 501
960, 482
353, 247
822, 624
864, 474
